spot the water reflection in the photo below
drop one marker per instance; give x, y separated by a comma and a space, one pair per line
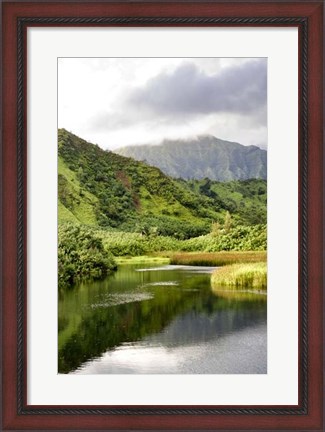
137, 315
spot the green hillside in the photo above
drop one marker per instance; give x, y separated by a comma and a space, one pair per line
102, 188
247, 199
203, 157
98, 187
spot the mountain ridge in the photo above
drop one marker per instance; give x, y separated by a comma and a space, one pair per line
201, 157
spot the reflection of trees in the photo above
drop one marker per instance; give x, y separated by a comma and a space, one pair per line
106, 328
86, 333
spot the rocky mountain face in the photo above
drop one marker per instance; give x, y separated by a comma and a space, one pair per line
203, 157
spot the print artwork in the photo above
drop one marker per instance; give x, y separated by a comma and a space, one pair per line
162, 215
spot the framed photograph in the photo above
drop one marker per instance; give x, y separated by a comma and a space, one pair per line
162, 205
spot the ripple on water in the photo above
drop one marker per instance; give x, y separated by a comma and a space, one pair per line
186, 268
119, 299
159, 268
166, 283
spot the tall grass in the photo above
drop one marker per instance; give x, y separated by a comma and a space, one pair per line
240, 276
218, 258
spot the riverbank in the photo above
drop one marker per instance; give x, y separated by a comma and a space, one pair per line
217, 258
238, 271
213, 259
142, 259
86, 252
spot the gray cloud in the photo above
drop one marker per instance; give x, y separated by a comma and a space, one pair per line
239, 89
185, 100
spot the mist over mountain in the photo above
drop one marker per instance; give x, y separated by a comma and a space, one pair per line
203, 157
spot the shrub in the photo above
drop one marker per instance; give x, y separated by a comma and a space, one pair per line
81, 255
238, 238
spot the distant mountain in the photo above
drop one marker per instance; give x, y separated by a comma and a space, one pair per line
203, 157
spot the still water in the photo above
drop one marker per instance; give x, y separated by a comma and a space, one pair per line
161, 320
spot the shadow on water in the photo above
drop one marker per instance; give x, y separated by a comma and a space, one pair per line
169, 307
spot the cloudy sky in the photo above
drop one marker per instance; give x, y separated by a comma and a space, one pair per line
121, 101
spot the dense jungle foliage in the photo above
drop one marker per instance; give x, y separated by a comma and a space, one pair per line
81, 255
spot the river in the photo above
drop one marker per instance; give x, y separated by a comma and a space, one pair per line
161, 320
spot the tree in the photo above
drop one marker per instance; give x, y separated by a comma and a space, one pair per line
215, 229
227, 222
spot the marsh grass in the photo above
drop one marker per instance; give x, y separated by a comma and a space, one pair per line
240, 276
218, 258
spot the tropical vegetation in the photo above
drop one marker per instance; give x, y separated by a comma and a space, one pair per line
115, 206
81, 255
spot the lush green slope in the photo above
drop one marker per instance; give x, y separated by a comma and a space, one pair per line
246, 199
98, 187
205, 156
102, 188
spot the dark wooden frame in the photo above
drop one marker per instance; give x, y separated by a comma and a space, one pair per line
308, 414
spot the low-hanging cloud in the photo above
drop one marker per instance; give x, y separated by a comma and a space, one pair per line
241, 89
183, 100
